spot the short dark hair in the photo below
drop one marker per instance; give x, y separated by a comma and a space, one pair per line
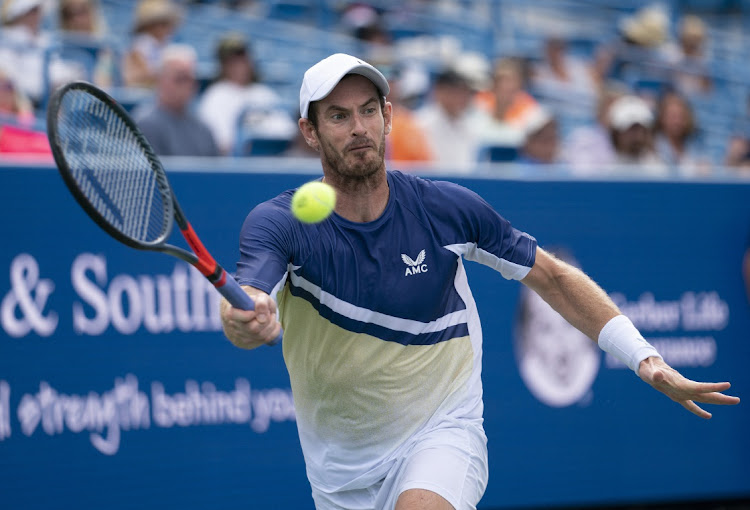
312, 114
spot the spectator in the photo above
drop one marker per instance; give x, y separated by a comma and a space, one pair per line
236, 89
541, 140
647, 28
154, 26
84, 29
509, 107
639, 51
449, 120
738, 151
169, 125
631, 123
692, 75
80, 17
562, 73
590, 146
14, 106
299, 148
406, 141
18, 133
675, 140
23, 44
365, 23
507, 100
737, 156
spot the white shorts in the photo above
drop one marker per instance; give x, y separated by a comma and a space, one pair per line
451, 462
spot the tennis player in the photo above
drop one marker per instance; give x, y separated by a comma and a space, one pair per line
381, 334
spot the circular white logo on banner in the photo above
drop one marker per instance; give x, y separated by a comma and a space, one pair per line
557, 362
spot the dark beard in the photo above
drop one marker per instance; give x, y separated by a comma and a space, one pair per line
361, 175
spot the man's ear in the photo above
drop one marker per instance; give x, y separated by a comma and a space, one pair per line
309, 132
388, 117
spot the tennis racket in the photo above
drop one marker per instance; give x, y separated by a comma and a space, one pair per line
114, 174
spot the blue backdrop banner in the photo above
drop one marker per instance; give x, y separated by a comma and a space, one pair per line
119, 390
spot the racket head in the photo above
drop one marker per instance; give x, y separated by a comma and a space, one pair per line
109, 166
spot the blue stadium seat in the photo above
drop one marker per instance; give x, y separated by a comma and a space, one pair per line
249, 146
263, 131
81, 58
497, 154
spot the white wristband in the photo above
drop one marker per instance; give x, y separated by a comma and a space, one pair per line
620, 338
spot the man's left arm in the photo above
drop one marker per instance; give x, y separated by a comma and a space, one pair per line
586, 306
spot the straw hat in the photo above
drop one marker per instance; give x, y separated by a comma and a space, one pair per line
150, 12
647, 27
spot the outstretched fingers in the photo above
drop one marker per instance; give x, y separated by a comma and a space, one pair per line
710, 393
686, 392
706, 393
695, 409
705, 387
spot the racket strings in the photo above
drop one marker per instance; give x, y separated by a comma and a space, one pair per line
112, 168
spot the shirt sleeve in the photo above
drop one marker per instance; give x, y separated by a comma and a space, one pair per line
481, 234
265, 247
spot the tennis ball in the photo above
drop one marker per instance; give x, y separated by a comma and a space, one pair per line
313, 202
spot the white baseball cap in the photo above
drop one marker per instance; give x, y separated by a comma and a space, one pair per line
628, 111
14, 9
323, 77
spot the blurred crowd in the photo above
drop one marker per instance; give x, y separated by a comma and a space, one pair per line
628, 103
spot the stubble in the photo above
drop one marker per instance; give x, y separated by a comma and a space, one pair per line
354, 172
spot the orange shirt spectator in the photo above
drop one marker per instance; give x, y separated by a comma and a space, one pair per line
407, 141
507, 101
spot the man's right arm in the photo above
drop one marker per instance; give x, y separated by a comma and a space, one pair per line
587, 307
249, 329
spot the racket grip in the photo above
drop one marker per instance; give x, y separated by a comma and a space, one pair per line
238, 298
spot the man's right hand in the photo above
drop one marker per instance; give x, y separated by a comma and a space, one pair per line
249, 329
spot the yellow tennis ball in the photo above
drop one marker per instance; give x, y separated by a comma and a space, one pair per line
313, 202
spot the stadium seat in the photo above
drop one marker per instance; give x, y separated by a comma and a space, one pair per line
497, 154
263, 131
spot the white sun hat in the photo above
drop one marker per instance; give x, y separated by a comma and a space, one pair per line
628, 111
13, 9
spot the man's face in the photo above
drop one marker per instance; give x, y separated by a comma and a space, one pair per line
78, 16
634, 141
238, 68
507, 84
351, 129
177, 85
454, 98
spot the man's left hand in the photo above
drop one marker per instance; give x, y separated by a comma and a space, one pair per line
682, 390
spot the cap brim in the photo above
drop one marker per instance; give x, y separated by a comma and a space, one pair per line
327, 86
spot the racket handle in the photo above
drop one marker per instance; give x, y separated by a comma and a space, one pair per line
238, 298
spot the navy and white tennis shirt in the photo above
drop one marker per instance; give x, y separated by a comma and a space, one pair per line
381, 332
